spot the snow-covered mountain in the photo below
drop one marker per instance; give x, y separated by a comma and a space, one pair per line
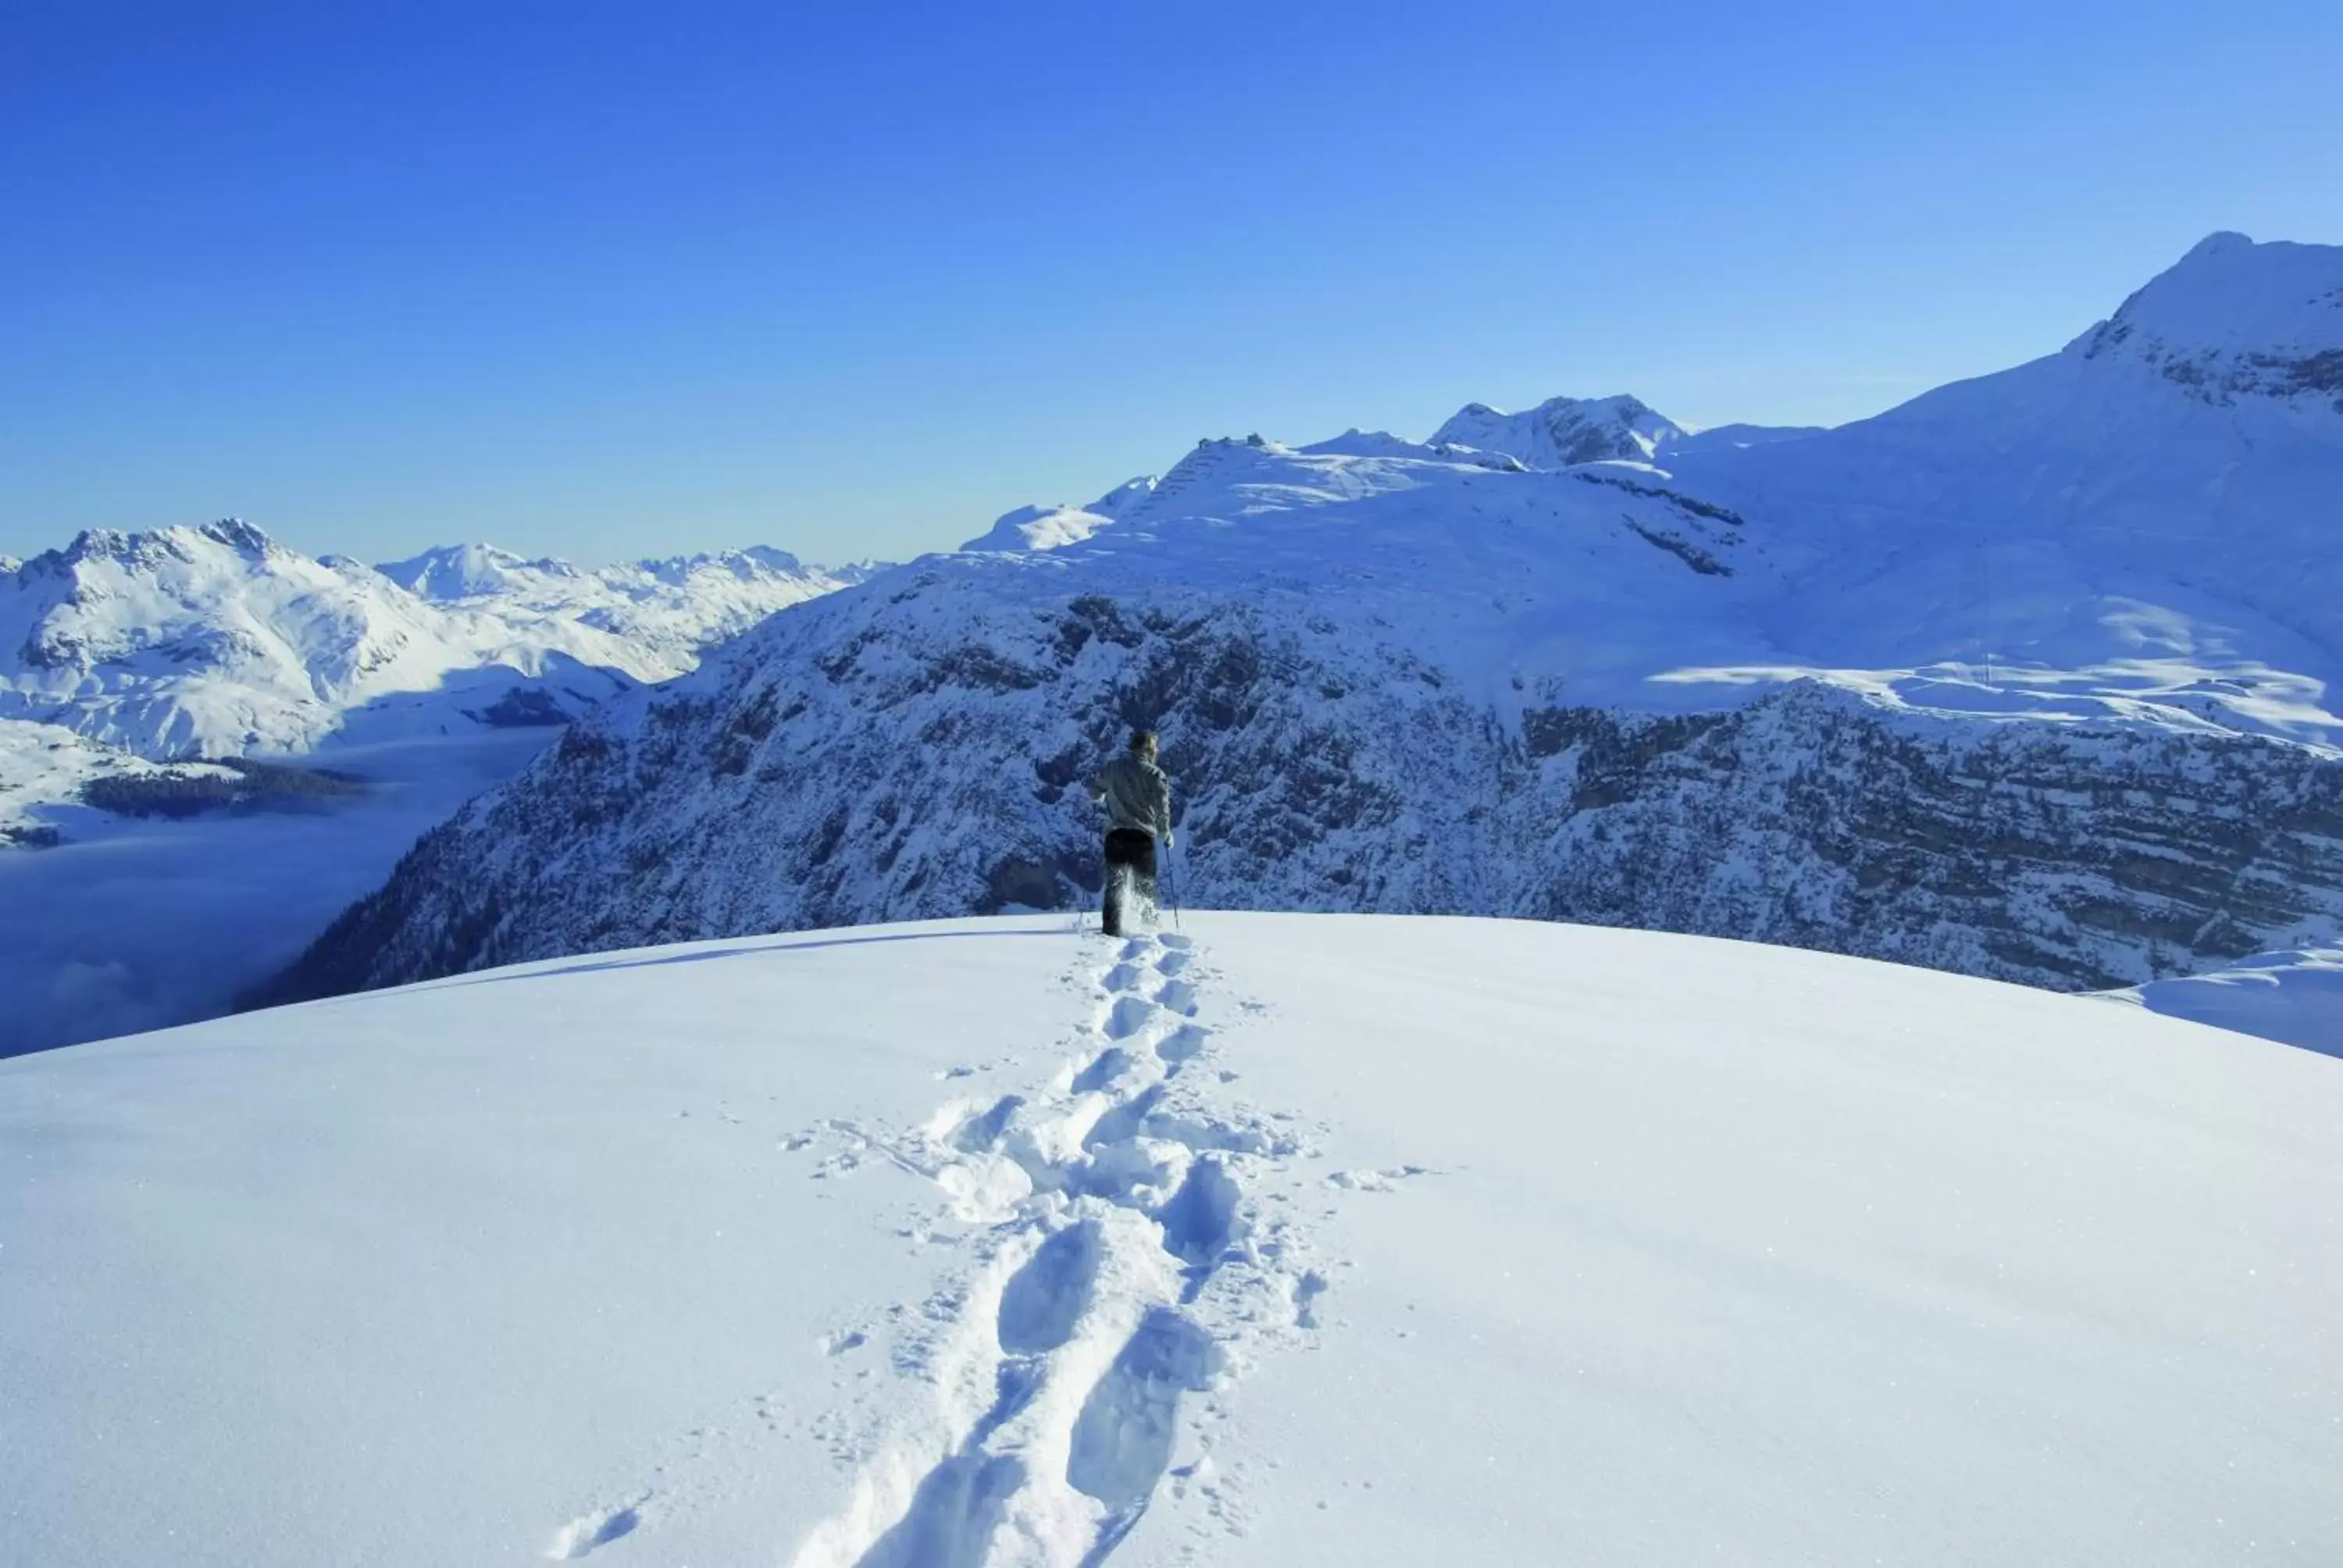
219, 641
1562, 432
1281, 1241
125, 658
1046, 527
665, 611
2027, 679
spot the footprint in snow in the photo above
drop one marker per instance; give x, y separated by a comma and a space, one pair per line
1185, 1043
1046, 1297
1374, 1180
1128, 1017
1105, 1067
598, 1528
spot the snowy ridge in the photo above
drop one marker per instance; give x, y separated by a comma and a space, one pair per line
664, 612
1047, 527
971, 1243
2236, 319
1121, 1272
1562, 432
219, 641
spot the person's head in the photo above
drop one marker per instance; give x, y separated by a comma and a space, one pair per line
1142, 745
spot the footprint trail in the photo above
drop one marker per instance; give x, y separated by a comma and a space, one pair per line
1123, 1269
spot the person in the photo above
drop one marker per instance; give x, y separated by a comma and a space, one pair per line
1137, 799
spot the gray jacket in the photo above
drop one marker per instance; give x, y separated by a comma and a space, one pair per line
1135, 795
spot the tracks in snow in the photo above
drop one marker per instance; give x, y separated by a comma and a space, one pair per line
1124, 1271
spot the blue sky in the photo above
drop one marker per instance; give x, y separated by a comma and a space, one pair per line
609, 280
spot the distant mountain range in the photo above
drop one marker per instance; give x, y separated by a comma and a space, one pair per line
2028, 677
216, 641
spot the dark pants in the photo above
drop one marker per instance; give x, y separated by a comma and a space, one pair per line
1129, 877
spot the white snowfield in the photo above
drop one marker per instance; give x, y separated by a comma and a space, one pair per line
1286, 1240
2294, 997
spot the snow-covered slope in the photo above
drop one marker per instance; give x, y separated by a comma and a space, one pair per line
2149, 514
42, 764
2293, 996
666, 612
219, 641
1285, 1240
1046, 527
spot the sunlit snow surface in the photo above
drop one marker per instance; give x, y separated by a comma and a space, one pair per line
2295, 997
1280, 1240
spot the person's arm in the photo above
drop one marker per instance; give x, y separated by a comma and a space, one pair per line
1163, 806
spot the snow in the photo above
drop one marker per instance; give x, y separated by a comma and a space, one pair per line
1049, 527
41, 764
1278, 1240
1040, 527
1563, 431
2136, 528
453, 572
665, 611
434, 678
1735, 437
2230, 296
2295, 998
219, 641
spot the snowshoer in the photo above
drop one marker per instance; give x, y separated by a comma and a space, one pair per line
1137, 799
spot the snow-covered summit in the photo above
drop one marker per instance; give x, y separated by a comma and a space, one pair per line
2235, 318
1040, 527
1281, 1240
455, 572
1049, 527
1563, 431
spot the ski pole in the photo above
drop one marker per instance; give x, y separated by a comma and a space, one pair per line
1171, 882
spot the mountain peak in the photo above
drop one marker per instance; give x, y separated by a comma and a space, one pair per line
239, 536
1562, 432
447, 572
2235, 318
